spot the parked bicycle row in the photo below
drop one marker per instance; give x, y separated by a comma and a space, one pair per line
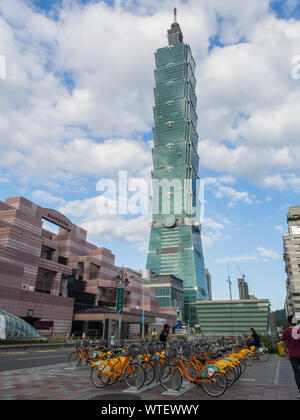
212, 367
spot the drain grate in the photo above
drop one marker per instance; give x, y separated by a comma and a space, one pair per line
112, 397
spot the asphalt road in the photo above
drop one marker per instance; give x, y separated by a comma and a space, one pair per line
23, 359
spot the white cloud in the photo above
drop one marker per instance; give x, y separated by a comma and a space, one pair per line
283, 182
248, 98
268, 253
77, 84
279, 228
240, 258
216, 184
233, 195
213, 231
212, 224
264, 255
46, 197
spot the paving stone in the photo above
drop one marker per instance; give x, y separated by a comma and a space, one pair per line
62, 384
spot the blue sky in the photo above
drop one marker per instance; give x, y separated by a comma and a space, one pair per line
76, 107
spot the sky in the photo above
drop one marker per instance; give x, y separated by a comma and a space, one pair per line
76, 108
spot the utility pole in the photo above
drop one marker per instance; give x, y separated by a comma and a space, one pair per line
229, 282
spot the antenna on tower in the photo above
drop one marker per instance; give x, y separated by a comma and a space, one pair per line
175, 15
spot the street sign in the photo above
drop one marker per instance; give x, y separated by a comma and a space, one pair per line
120, 300
143, 319
178, 325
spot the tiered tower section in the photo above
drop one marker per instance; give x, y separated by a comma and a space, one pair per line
175, 240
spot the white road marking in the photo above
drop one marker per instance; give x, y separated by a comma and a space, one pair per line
41, 357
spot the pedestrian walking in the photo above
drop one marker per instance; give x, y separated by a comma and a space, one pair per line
291, 341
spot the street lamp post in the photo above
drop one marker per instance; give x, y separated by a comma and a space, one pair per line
120, 279
145, 278
143, 313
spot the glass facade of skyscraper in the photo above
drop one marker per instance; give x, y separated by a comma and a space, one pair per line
175, 239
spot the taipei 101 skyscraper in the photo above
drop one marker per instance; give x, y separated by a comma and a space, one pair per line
175, 246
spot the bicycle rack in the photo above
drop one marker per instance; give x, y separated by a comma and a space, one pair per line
187, 386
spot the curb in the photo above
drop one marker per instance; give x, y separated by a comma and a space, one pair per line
5, 348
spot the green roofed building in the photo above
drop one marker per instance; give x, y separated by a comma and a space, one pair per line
234, 317
175, 246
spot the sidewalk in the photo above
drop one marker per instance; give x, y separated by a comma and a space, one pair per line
273, 380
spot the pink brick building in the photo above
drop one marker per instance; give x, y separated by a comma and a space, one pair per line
43, 274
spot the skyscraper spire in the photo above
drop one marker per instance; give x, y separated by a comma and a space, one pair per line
174, 34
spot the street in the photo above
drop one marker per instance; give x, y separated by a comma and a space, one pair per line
22, 359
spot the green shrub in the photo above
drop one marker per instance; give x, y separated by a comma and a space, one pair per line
267, 342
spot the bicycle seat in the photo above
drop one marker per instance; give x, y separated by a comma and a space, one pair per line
214, 355
117, 350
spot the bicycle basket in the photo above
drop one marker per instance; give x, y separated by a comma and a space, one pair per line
172, 352
132, 351
152, 350
187, 351
143, 349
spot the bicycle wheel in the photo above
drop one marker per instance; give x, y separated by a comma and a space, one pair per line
230, 376
98, 379
243, 365
149, 372
249, 359
191, 372
157, 368
134, 376
216, 385
74, 359
238, 370
170, 378
163, 371
264, 356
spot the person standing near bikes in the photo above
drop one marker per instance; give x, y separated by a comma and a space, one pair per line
163, 336
154, 334
255, 339
112, 340
291, 341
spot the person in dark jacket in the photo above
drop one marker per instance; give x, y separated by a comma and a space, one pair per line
163, 336
255, 339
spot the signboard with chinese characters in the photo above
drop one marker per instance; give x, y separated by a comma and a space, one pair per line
120, 300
